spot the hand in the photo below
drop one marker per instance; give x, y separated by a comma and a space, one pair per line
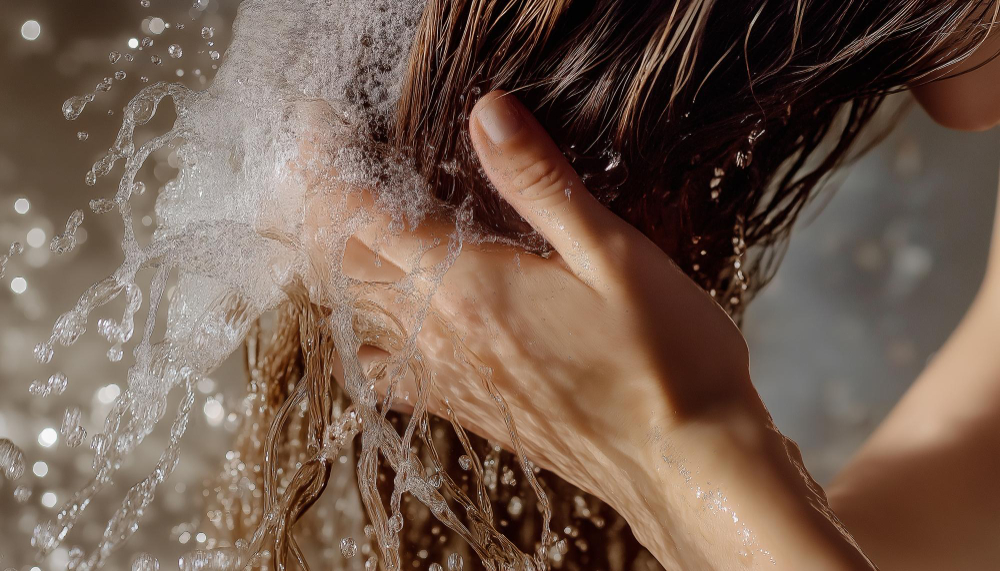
591, 347
620, 373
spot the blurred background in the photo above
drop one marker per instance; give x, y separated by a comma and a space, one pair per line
868, 291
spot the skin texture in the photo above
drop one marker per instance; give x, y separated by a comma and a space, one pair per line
621, 374
966, 96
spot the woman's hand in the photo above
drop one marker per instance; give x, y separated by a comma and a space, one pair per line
620, 374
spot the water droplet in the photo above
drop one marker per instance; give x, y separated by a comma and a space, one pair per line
11, 459
744, 158
207, 32
71, 429
179, 26
465, 462
147, 42
82, 135
105, 84
120, 75
56, 384
143, 79
72, 107
155, 59
115, 353
144, 3
43, 353
435, 567
348, 547
75, 557
371, 564
395, 523
139, 188
113, 57
16, 249
214, 55
22, 494
455, 562
145, 562
175, 51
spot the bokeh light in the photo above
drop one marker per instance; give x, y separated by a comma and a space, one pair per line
36, 237
30, 30
40, 469
108, 394
49, 499
48, 437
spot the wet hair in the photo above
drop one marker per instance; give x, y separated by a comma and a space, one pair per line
708, 125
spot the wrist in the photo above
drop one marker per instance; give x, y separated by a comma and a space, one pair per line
721, 492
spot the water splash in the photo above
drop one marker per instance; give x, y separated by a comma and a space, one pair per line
232, 230
16, 249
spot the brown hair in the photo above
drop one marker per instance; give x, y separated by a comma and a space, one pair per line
705, 124
708, 125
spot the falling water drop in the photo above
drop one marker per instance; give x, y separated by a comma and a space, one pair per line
43, 353
465, 462
155, 59
207, 32
71, 429
175, 51
395, 523
435, 567
72, 107
455, 562
144, 3
145, 562
214, 55
22, 494
11, 459
113, 57
56, 384
105, 84
82, 135
147, 42
120, 74
348, 547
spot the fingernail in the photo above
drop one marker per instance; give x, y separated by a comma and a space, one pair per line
500, 119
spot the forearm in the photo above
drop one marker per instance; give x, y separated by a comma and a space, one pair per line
755, 510
921, 493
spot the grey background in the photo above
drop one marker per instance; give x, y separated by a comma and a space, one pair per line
867, 293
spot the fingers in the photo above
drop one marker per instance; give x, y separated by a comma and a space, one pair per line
531, 173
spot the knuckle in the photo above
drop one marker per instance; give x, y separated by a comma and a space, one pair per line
542, 178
